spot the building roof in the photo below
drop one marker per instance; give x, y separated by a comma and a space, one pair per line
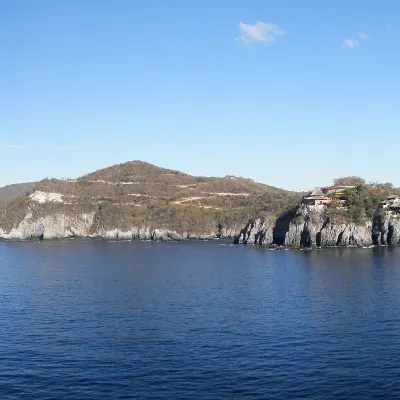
317, 198
338, 189
317, 192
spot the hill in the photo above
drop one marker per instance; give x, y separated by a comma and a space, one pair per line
141, 196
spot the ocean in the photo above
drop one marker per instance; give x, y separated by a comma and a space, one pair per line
88, 319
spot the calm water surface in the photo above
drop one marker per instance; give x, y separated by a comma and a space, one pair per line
97, 320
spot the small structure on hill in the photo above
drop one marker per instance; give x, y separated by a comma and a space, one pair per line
321, 197
337, 193
394, 201
337, 189
391, 205
316, 198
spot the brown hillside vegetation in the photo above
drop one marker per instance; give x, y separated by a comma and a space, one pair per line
141, 194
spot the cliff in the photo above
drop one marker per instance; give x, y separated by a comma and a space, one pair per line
61, 226
315, 228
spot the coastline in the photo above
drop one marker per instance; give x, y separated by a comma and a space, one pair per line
223, 240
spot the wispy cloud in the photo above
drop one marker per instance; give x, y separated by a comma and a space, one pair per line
350, 43
353, 43
259, 32
287, 156
37, 148
363, 35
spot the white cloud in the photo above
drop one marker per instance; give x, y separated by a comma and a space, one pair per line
350, 43
26, 147
363, 35
260, 32
353, 43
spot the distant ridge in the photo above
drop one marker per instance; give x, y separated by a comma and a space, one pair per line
11, 192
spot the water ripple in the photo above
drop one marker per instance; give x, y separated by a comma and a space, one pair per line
94, 320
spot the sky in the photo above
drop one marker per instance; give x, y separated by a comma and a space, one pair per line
288, 93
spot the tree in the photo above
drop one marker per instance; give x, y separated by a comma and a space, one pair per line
355, 203
349, 181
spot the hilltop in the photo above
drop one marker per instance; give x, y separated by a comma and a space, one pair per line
137, 198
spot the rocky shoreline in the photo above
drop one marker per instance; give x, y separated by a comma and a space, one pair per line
302, 231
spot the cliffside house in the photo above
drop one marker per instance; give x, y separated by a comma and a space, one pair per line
391, 204
337, 189
323, 196
337, 193
394, 200
316, 198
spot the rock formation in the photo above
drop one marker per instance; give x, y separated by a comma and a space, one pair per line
60, 226
257, 232
314, 229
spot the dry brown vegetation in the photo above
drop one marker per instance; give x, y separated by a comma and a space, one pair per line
159, 197
12, 213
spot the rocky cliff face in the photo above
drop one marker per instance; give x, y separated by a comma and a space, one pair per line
386, 231
59, 226
50, 227
257, 232
315, 229
158, 234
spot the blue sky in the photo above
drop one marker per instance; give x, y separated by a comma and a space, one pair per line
289, 93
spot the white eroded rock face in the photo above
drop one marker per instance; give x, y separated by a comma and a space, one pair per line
51, 227
45, 197
59, 226
145, 233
